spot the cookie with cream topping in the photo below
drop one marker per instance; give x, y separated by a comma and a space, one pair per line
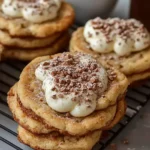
39, 18
69, 91
35, 11
121, 43
31, 122
118, 35
74, 85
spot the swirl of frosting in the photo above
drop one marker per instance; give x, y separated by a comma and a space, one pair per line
72, 83
35, 11
118, 35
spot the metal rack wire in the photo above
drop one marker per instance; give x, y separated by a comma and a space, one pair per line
9, 74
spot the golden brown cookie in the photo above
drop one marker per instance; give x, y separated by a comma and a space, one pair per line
30, 99
121, 110
105, 117
22, 118
29, 54
1, 50
32, 123
21, 27
27, 42
139, 76
56, 141
135, 63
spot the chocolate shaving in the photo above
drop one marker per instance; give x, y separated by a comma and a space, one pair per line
123, 28
71, 76
54, 96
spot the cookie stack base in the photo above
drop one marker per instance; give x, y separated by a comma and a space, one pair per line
36, 135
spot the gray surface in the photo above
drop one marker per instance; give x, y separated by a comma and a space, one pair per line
86, 10
137, 132
4, 146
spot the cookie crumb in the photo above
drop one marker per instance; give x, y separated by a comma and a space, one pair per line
125, 141
141, 116
113, 146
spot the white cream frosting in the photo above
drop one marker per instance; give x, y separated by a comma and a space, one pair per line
35, 11
83, 105
118, 35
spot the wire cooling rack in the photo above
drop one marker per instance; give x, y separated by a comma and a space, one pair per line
9, 74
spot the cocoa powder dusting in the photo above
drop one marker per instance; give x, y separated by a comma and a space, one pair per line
70, 75
118, 26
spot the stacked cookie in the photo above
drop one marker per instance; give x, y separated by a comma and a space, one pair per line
65, 101
29, 29
124, 44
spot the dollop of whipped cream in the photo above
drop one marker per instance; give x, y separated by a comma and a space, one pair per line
36, 11
72, 83
118, 35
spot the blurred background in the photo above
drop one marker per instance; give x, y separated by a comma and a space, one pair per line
139, 9
121, 9
87, 9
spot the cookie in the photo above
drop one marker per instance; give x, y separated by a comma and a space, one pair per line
105, 117
21, 27
22, 118
34, 119
139, 77
134, 63
35, 125
29, 54
27, 42
121, 110
56, 141
30, 99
